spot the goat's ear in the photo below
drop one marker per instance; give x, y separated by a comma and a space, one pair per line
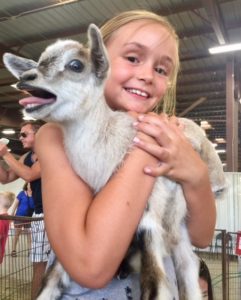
100, 63
18, 65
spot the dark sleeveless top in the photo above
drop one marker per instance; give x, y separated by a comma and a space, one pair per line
35, 186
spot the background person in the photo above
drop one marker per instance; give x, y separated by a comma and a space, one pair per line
28, 168
96, 230
24, 207
205, 281
6, 200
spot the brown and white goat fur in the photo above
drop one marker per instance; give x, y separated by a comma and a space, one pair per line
67, 87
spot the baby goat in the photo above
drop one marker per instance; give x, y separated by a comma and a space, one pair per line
66, 85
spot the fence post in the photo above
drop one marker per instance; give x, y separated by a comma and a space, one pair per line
224, 266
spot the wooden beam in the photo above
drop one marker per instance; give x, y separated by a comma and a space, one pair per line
7, 81
215, 16
198, 70
10, 117
231, 119
185, 82
191, 107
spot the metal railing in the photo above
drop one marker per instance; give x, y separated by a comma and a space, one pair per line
220, 257
224, 265
16, 267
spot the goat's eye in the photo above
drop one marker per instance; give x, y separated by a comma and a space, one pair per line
75, 65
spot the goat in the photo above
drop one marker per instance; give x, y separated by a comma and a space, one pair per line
67, 86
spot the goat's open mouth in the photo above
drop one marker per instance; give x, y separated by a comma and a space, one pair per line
38, 97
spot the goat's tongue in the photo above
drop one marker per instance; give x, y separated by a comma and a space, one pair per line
35, 100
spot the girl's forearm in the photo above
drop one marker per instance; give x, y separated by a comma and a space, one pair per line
201, 217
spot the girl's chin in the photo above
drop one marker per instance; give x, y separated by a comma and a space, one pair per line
139, 108
142, 106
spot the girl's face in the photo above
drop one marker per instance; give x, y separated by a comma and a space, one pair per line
142, 57
204, 287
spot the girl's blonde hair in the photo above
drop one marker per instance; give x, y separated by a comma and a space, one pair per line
9, 197
111, 26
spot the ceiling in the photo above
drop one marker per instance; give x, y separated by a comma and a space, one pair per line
28, 26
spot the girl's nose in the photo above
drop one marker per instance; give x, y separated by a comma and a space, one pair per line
146, 73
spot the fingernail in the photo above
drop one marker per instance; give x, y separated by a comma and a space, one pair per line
136, 140
135, 123
147, 170
140, 117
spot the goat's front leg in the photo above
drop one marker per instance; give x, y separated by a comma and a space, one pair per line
154, 283
55, 281
187, 268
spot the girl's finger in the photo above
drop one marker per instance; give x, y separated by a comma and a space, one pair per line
160, 133
160, 120
160, 170
159, 152
153, 118
171, 126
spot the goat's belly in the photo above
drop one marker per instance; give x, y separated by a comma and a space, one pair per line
154, 237
149, 223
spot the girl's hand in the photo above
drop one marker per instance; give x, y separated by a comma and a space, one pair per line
177, 158
180, 162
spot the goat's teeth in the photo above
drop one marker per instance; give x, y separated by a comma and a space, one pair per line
30, 105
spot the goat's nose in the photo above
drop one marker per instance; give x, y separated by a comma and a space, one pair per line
28, 77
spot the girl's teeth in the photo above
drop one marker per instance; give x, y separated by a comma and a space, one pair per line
137, 92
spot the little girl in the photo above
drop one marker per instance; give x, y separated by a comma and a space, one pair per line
96, 230
6, 200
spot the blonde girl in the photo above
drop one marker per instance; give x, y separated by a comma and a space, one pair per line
89, 233
6, 200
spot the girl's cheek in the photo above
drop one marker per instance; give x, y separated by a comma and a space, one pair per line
161, 89
166, 85
123, 72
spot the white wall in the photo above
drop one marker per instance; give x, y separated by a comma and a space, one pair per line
229, 209
15, 186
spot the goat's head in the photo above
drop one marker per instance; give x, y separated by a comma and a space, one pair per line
67, 79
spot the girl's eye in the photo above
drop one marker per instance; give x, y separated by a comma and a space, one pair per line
161, 71
132, 59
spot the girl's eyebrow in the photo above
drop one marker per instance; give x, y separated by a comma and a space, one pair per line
138, 45
168, 59
165, 58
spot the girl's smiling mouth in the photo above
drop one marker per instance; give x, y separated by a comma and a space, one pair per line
138, 92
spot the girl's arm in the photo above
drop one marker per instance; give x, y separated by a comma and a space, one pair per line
90, 234
14, 206
181, 163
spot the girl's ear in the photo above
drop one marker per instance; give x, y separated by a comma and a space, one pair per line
18, 65
100, 63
